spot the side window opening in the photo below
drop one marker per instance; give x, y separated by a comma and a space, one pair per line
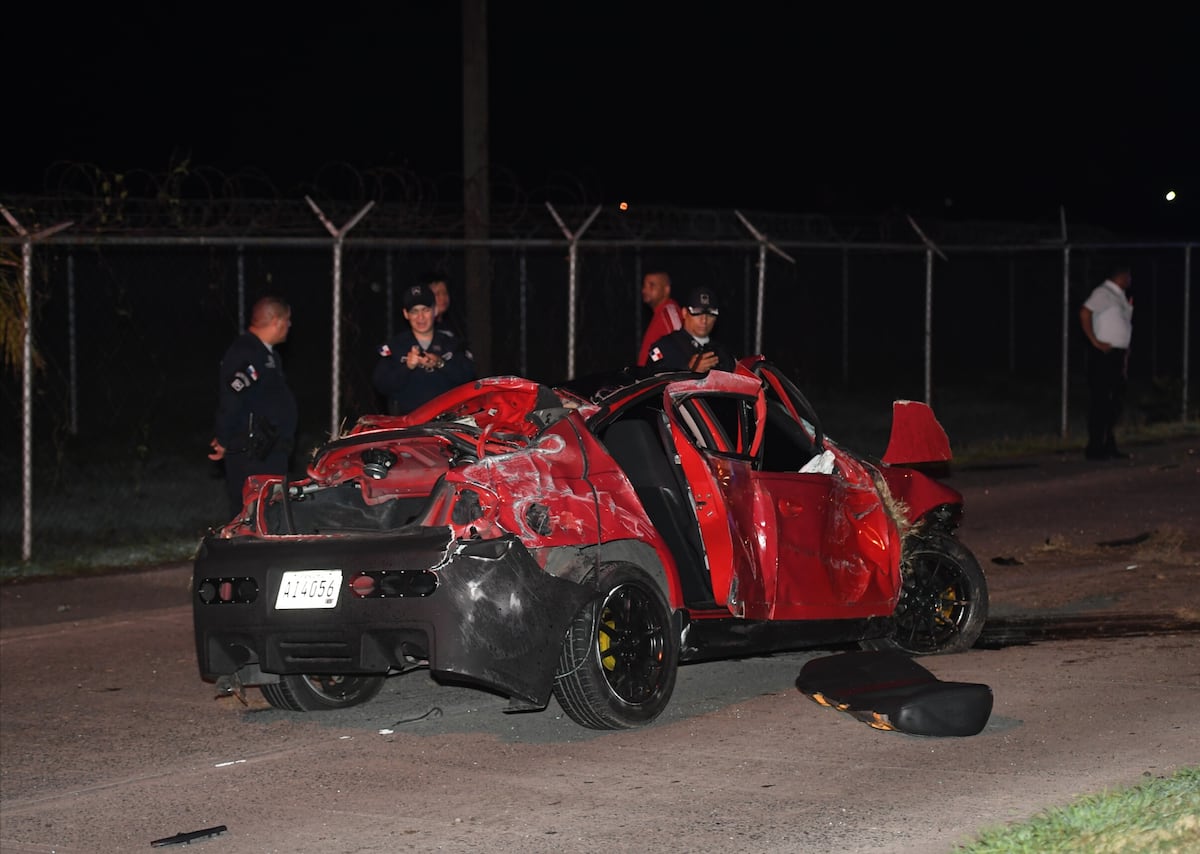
786, 445
719, 423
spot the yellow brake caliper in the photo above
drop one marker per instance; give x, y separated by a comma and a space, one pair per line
608, 661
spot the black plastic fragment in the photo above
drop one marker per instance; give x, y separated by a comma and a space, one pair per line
189, 838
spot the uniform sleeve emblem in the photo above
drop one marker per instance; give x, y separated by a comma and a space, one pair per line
656, 354
385, 351
244, 378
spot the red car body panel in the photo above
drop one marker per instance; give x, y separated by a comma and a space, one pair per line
917, 437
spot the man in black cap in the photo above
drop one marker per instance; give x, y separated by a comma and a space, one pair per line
421, 362
692, 348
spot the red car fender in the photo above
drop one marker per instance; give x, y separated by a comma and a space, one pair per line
919, 492
917, 436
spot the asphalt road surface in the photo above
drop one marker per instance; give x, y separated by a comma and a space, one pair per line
109, 740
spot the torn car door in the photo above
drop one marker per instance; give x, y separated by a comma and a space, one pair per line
780, 544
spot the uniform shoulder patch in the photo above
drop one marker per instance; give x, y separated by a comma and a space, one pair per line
243, 378
385, 350
656, 354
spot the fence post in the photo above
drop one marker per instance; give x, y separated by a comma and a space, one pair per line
72, 344
241, 288
1066, 311
1187, 313
845, 316
930, 248
339, 235
524, 292
763, 245
388, 295
1012, 316
572, 255
27, 241
928, 327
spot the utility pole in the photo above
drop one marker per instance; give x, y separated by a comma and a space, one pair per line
476, 198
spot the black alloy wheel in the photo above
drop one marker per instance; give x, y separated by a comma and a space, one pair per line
620, 655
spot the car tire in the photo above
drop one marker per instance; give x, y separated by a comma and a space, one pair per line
317, 693
944, 601
620, 655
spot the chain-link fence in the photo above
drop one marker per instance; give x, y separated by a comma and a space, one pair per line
131, 331
130, 326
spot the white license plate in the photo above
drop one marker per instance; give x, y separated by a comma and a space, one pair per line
309, 588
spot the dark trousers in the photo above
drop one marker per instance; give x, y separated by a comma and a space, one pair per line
1106, 387
238, 467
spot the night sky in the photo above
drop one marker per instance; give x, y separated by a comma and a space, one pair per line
757, 106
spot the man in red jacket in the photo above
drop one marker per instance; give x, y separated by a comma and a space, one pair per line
656, 293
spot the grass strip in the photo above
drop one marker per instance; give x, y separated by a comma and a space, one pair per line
1161, 816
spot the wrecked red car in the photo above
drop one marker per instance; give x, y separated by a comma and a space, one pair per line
583, 541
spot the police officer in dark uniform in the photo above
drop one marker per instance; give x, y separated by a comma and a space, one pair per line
256, 410
692, 348
421, 362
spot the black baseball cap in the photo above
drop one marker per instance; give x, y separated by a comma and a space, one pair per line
702, 301
419, 295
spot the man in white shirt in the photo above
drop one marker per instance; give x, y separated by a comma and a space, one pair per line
1107, 320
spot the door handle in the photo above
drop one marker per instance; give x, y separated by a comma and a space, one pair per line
790, 508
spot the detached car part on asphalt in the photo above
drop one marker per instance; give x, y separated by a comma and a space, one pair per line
583, 541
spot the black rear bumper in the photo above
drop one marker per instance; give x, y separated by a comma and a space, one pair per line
493, 617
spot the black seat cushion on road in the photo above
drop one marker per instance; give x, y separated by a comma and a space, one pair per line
888, 690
